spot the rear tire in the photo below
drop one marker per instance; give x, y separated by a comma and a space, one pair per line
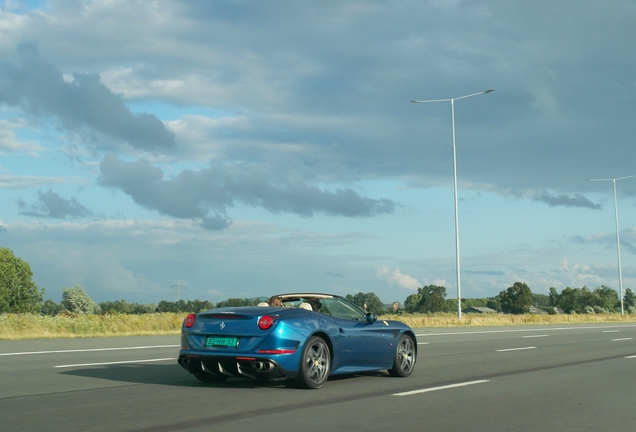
315, 364
405, 354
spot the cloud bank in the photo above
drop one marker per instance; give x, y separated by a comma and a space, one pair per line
206, 194
39, 89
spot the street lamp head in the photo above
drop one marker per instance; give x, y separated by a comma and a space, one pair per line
611, 179
451, 100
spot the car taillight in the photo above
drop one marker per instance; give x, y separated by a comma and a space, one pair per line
189, 320
265, 322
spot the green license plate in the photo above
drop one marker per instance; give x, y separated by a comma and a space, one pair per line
221, 341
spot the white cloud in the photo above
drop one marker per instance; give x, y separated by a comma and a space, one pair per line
10, 143
13, 181
396, 278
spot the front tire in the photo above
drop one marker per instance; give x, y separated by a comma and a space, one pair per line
315, 364
405, 354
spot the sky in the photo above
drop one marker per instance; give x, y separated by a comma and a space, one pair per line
247, 148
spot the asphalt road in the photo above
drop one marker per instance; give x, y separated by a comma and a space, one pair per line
544, 378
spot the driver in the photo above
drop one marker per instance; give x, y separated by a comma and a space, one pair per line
275, 301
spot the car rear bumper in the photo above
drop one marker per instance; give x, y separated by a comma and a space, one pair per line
260, 367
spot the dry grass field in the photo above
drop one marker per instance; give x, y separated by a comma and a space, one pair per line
25, 326
475, 320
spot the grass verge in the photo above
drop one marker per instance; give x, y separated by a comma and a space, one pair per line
26, 326
476, 320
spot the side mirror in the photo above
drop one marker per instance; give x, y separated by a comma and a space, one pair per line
371, 317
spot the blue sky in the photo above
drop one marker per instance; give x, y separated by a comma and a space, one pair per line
245, 148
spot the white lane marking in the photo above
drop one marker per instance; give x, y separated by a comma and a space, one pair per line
113, 363
516, 349
621, 339
523, 330
409, 393
634, 356
610, 331
534, 336
88, 350
423, 343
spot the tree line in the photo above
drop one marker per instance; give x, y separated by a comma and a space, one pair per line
19, 294
75, 300
518, 299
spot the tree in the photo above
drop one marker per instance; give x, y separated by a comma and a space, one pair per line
607, 298
410, 304
117, 306
432, 299
474, 302
235, 302
540, 300
175, 307
197, 306
51, 308
629, 299
369, 302
581, 300
493, 303
77, 301
18, 292
517, 299
553, 298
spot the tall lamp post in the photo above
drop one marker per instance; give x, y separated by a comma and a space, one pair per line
452, 104
618, 240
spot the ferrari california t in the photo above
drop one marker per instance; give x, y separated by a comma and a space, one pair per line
301, 337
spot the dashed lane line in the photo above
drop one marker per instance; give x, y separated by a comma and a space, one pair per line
88, 350
114, 363
516, 349
450, 386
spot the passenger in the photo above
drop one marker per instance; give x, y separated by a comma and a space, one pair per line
315, 304
275, 301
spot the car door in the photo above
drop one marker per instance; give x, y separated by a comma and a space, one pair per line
361, 344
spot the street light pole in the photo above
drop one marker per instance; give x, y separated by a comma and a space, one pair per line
452, 104
618, 240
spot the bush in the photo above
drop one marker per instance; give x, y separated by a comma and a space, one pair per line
77, 301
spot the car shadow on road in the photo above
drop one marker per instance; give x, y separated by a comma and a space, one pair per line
174, 375
164, 374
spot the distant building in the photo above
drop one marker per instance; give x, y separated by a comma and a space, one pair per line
537, 311
479, 309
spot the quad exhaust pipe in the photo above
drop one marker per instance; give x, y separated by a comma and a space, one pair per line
263, 366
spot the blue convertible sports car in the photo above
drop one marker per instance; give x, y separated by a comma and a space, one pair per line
303, 337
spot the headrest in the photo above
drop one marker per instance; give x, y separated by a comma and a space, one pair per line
305, 306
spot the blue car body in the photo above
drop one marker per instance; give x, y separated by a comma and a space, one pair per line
270, 343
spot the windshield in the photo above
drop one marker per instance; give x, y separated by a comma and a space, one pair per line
336, 307
343, 309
